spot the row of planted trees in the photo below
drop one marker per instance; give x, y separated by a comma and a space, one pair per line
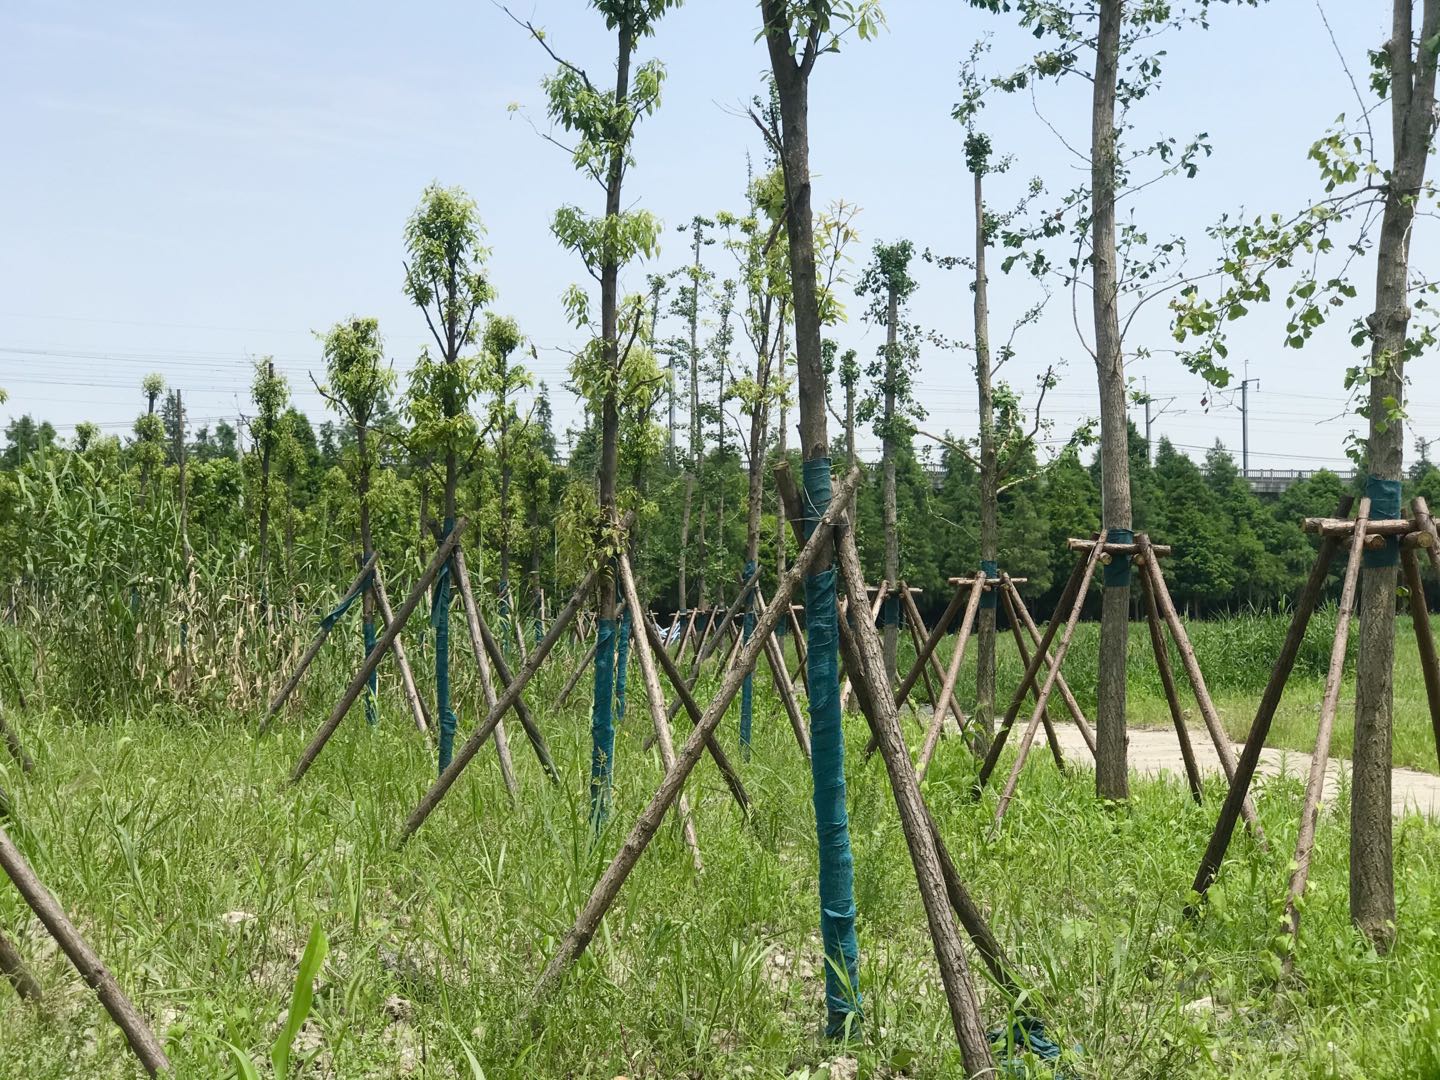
788, 264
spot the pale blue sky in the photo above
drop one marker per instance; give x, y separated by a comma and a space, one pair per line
185, 186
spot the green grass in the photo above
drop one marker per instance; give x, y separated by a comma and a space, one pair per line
171, 838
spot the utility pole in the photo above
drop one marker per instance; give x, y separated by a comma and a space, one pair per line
1148, 402
1245, 424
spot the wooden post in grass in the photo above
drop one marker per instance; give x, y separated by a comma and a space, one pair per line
952, 675
687, 700
1427, 523
14, 968
482, 666
1329, 705
1024, 651
784, 687
362, 675
467, 752
308, 657
914, 623
15, 746
926, 653
483, 644
917, 626
578, 671
1091, 562
656, 700
1017, 605
1172, 695
1265, 713
1150, 567
881, 592
407, 675
92, 969
905, 786
611, 881
1424, 636
1041, 655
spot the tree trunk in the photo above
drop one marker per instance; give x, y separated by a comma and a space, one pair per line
782, 538
983, 723
890, 609
1111, 774
1412, 104
827, 763
602, 727
685, 537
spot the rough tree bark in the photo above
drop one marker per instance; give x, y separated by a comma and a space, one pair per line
983, 723
1111, 774
1412, 115
891, 512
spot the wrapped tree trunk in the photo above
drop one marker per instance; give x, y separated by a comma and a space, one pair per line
1111, 773
1412, 107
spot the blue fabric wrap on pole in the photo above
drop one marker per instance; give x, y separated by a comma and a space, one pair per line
370, 714
1027, 1036
827, 769
622, 664
890, 609
1117, 571
335, 614
990, 569
440, 620
1384, 496
602, 728
747, 688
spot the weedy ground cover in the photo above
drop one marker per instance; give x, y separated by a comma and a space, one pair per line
169, 834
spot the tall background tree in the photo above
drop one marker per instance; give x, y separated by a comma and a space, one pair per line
446, 278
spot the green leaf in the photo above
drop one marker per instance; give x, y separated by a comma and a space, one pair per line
300, 1000
244, 1068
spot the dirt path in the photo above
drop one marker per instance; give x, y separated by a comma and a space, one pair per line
1156, 751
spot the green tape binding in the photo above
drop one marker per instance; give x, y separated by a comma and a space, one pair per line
1117, 571
1384, 496
990, 569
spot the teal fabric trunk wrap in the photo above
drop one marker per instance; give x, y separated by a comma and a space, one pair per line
747, 688
1117, 572
622, 664
827, 768
1384, 496
335, 614
602, 727
989, 569
440, 620
371, 717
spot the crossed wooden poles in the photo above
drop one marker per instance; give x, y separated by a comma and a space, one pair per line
87, 962
1413, 535
1160, 616
484, 649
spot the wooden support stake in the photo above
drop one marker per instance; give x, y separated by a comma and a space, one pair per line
14, 968
915, 623
1024, 651
1223, 747
1041, 655
952, 675
1424, 638
955, 976
579, 670
1329, 705
407, 675
687, 700
881, 592
1269, 702
1172, 695
786, 689
482, 666
483, 643
313, 650
387, 638
16, 747
1426, 522
92, 969
1076, 713
656, 700
611, 881
1061, 649
472, 745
